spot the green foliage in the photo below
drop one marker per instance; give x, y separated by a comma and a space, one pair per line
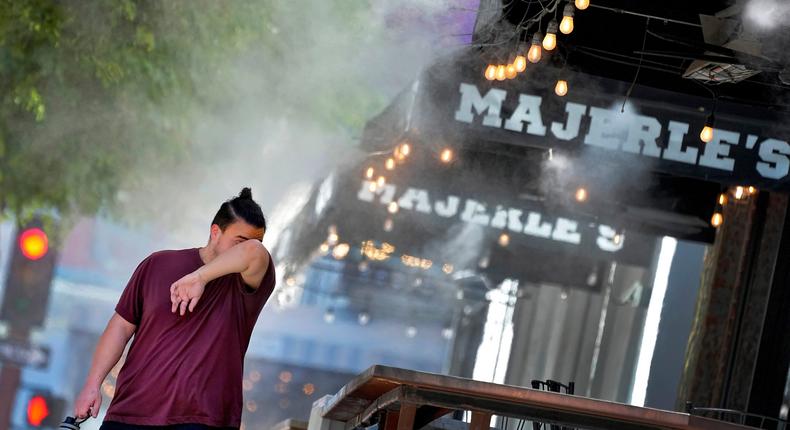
94, 94
99, 97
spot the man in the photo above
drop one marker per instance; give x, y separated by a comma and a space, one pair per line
191, 312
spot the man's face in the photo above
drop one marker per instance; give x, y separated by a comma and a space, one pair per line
234, 234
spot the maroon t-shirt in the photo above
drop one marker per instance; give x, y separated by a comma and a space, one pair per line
185, 369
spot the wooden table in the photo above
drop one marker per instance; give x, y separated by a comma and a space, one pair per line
400, 399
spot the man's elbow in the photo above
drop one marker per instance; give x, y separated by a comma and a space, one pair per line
257, 254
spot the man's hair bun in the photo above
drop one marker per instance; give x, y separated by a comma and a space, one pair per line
246, 193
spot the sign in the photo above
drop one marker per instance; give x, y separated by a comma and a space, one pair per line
23, 355
500, 216
432, 211
658, 129
670, 140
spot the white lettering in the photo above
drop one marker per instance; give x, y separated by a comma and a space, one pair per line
774, 164
643, 131
565, 231
600, 133
571, 129
447, 209
535, 227
475, 212
528, 111
413, 195
716, 154
387, 192
675, 151
491, 103
606, 240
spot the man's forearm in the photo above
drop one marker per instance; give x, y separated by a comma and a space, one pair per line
235, 260
109, 350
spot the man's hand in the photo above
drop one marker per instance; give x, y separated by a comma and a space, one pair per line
88, 403
185, 292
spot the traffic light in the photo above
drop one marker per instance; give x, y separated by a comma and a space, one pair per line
33, 243
30, 271
44, 410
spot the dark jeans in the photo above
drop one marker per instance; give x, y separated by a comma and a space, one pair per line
110, 425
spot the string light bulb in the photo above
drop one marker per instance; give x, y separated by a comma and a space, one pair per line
738, 193
490, 73
501, 72
405, 149
535, 50
717, 219
390, 164
566, 26
511, 71
446, 155
582, 4
581, 194
381, 181
550, 40
561, 88
706, 135
751, 190
520, 62
722, 199
369, 173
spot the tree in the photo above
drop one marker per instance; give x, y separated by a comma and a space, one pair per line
96, 94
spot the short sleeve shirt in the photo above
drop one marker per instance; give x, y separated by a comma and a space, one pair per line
185, 369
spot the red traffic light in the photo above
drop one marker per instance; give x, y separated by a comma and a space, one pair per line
37, 410
33, 243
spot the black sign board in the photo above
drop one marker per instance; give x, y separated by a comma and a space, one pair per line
656, 129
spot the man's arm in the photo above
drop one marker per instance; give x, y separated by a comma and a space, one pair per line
249, 258
111, 345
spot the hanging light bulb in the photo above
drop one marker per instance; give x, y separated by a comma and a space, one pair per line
717, 219
561, 88
581, 194
510, 71
520, 62
550, 40
393, 207
390, 164
501, 72
706, 135
381, 181
751, 190
582, 4
369, 173
566, 26
446, 155
722, 199
372, 187
504, 240
490, 72
405, 149
535, 50
738, 193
